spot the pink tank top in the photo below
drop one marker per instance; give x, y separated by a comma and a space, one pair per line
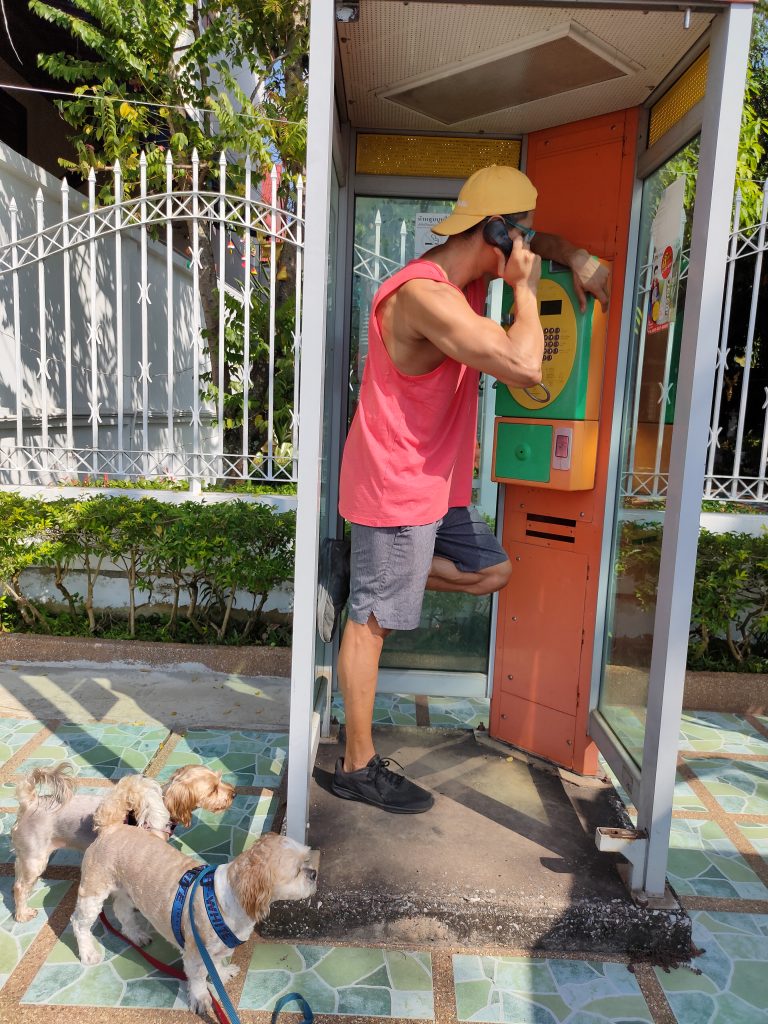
410, 451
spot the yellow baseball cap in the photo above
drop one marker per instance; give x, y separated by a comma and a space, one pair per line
490, 191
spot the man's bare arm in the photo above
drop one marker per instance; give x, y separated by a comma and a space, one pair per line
440, 314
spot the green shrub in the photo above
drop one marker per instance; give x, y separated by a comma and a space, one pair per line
729, 613
208, 551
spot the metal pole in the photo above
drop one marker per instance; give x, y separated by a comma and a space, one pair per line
67, 321
729, 49
246, 465
144, 300
119, 319
297, 327
169, 303
222, 306
197, 338
43, 361
273, 222
322, 44
13, 210
94, 325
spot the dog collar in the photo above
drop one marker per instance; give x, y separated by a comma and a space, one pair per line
218, 923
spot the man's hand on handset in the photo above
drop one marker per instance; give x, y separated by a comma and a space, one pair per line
523, 267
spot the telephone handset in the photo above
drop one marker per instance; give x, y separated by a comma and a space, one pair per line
495, 233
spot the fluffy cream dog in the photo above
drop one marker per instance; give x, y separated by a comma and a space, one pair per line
48, 822
144, 873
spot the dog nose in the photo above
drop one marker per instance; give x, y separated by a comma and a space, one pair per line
312, 874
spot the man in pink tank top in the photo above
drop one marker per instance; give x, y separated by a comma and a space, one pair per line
406, 476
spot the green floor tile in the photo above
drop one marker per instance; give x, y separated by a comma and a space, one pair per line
123, 978
16, 937
459, 712
108, 751
388, 709
217, 838
732, 987
520, 990
684, 798
714, 731
704, 862
740, 787
757, 835
14, 733
341, 981
244, 758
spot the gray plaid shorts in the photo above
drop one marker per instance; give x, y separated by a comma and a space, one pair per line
390, 564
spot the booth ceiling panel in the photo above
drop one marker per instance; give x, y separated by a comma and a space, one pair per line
430, 55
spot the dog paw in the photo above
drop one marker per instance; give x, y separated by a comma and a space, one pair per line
138, 936
200, 1002
90, 957
228, 971
27, 914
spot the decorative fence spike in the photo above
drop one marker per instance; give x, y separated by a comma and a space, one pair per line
274, 227
222, 226
43, 328
94, 326
144, 301
749, 346
18, 455
67, 314
722, 355
246, 315
197, 339
169, 294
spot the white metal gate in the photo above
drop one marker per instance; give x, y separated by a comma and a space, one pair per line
106, 367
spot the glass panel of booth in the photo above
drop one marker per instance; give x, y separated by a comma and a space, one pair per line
455, 628
648, 422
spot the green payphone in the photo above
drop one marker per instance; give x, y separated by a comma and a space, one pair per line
546, 435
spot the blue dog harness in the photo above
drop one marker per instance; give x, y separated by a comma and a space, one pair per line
205, 873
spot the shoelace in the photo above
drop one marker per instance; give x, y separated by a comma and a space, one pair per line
382, 768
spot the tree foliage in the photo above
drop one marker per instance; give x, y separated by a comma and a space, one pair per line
155, 75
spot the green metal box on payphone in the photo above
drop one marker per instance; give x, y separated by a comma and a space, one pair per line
546, 435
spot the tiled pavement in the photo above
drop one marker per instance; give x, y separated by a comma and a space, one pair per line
718, 866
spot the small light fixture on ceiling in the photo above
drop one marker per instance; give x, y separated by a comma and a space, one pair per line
347, 11
687, 18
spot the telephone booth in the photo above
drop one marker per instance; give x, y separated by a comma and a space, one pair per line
626, 118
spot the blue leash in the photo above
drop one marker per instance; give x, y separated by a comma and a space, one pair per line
226, 1002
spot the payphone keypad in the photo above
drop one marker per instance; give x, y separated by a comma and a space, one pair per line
551, 343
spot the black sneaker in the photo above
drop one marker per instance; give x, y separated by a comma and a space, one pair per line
377, 785
332, 586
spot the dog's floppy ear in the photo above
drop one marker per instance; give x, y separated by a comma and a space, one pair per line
180, 800
251, 876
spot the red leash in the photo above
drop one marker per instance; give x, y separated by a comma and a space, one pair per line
173, 972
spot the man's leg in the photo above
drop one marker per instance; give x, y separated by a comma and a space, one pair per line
444, 575
390, 566
358, 667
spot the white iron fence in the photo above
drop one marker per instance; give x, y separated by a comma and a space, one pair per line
737, 446
134, 335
